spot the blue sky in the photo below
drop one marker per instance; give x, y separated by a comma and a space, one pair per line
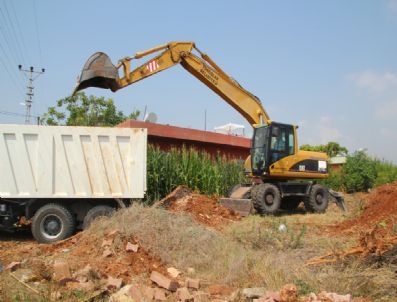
330, 67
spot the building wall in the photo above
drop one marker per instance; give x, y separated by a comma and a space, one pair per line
166, 137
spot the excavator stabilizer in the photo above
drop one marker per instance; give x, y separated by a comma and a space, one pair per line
99, 72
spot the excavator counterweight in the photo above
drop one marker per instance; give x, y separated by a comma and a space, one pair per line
99, 72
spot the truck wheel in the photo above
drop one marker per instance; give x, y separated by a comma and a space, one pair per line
317, 201
266, 198
95, 212
52, 222
290, 203
235, 188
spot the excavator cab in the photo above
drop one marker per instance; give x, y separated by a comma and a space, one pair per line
270, 143
99, 72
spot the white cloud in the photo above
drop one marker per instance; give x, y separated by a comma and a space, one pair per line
392, 5
374, 82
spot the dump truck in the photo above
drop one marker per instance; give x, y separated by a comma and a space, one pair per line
282, 176
56, 179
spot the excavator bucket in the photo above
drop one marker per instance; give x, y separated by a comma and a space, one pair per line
100, 72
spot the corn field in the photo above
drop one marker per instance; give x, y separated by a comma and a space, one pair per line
197, 170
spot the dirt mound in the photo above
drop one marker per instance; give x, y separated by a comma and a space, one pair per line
380, 210
86, 248
204, 209
376, 227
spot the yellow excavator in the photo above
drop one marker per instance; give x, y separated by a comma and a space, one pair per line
282, 175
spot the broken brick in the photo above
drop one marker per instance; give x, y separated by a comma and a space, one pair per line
222, 290
193, 283
61, 270
13, 266
107, 253
173, 272
107, 242
201, 296
183, 294
131, 247
163, 281
159, 294
112, 233
113, 283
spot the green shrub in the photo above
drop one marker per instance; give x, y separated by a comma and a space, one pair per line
359, 172
197, 170
386, 172
334, 180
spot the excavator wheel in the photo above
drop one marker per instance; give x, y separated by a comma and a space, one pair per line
317, 201
266, 198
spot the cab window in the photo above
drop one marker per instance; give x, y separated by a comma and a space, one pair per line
282, 142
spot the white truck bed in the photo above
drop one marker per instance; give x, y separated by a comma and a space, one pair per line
72, 162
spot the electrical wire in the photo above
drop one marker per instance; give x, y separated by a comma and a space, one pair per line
37, 32
10, 74
20, 32
16, 114
10, 38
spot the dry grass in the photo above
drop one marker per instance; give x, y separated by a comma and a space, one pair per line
252, 252
249, 253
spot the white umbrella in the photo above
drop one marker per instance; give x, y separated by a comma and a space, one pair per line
229, 128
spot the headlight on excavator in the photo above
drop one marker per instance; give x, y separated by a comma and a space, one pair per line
322, 166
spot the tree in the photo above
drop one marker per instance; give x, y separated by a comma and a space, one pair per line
331, 148
82, 110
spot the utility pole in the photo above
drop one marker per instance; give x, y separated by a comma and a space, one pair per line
32, 75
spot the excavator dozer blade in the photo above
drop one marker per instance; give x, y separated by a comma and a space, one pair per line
99, 72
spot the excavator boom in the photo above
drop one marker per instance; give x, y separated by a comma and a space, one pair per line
101, 73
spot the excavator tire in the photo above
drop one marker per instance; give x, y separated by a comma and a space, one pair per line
317, 201
266, 198
291, 203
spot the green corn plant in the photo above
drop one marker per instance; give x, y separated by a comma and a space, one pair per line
195, 169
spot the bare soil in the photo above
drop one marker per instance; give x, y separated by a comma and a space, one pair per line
204, 209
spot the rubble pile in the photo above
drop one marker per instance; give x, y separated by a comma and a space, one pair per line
204, 209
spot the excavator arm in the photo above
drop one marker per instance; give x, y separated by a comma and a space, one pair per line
100, 72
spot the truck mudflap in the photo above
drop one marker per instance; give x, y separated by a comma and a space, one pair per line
338, 199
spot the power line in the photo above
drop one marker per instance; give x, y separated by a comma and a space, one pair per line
11, 75
37, 30
8, 113
10, 37
20, 31
16, 38
16, 114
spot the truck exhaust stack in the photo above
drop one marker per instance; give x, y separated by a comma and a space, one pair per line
99, 72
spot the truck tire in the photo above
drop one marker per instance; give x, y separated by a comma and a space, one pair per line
95, 212
52, 222
317, 201
291, 203
266, 198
